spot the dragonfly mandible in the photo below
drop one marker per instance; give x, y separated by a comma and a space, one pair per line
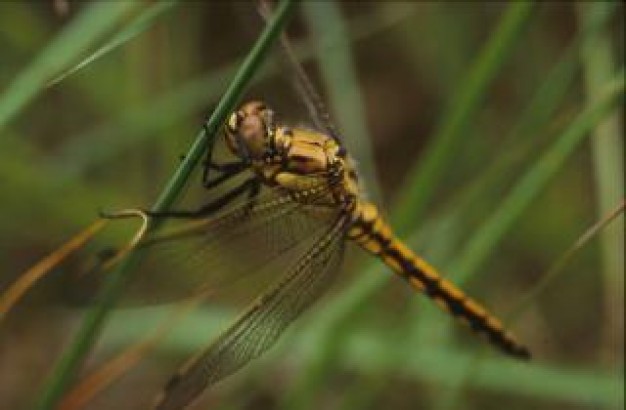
310, 180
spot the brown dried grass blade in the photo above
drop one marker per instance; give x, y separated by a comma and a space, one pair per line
112, 371
28, 279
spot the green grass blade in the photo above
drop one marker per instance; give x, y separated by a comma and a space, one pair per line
524, 135
440, 67
422, 181
607, 147
455, 396
485, 238
593, 388
137, 125
226, 105
500, 375
135, 27
557, 267
97, 19
95, 317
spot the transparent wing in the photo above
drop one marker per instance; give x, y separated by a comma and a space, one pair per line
209, 253
310, 97
262, 323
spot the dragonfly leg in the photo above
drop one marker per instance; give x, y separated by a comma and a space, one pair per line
251, 186
227, 170
253, 194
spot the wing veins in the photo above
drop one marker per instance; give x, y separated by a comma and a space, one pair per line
195, 248
258, 328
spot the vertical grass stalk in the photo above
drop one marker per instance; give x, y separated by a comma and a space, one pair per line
607, 146
422, 181
95, 318
97, 19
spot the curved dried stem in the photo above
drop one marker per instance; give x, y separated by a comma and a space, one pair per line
28, 279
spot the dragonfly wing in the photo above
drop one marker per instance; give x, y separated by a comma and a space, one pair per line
302, 83
207, 254
262, 323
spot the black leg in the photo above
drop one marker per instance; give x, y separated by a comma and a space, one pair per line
228, 171
252, 186
254, 190
253, 194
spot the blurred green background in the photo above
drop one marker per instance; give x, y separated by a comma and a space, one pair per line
491, 134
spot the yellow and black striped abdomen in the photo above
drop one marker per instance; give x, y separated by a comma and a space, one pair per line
373, 234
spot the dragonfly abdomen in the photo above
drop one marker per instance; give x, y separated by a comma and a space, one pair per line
373, 234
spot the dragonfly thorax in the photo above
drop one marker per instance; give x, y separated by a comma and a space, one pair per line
293, 158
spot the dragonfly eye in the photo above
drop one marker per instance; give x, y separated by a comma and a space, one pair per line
233, 122
249, 130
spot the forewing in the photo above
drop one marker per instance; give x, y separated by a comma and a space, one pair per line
262, 323
187, 257
302, 83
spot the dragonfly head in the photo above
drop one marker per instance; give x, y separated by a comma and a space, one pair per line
250, 131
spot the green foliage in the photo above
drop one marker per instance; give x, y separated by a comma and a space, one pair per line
482, 112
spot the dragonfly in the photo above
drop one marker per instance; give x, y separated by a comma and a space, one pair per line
299, 204
313, 188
